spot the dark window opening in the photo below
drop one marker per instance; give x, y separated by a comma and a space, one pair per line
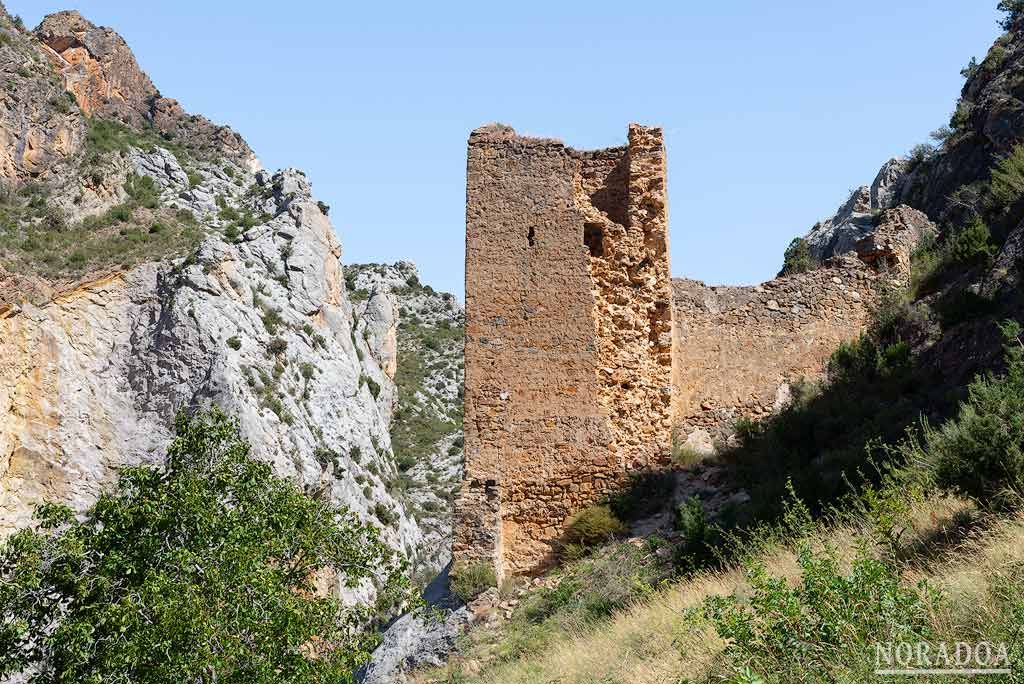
593, 238
531, 237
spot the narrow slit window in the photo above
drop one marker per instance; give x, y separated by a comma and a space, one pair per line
531, 237
593, 238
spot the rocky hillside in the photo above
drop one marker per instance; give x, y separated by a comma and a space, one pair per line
148, 265
423, 330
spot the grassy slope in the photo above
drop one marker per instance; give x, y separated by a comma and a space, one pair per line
971, 558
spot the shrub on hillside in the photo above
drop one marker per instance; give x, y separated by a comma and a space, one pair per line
213, 560
592, 527
797, 258
469, 581
972, 245
697, 538
981, 450
1008, 178
828, 622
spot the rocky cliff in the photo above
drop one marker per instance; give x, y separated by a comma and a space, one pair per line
148, 266
422, 334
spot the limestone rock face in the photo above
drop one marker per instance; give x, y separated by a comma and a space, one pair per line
419, 333
262, 327
890, 244
40, 129
98, 68
856, 219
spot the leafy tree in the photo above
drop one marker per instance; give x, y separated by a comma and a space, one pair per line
210, 570
797, 258
1013, 10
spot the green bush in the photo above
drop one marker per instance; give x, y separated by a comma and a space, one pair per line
277, 346
385, 514
469, 581
272, 319
797, 258
213, 560
980, 451
592, 527
143, 191
1008, 179
972, 245
826, 625
697, 538
234, 342
122, 213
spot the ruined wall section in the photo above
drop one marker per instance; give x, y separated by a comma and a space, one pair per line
565, 392
739, 349
622, 194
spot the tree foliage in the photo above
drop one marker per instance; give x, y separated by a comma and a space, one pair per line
797, 258
981, 451
209, 570
1013, 9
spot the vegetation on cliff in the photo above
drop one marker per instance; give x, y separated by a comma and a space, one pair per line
208, 570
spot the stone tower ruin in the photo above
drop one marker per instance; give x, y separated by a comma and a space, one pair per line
584, 357
568, 336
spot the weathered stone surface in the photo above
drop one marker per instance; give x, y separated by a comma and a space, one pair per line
583, 356
568, 315
91, 380
100, 70
858, 217
738, 349
40, 130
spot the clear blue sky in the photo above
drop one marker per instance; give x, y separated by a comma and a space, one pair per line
772, 110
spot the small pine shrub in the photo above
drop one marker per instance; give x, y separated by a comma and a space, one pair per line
593, 527
695, 548
234, 342
1008, 179
272, 320
980, 451
385, 514
122, 213
143, 191
972, 245
470, 581
277, 347
797, 258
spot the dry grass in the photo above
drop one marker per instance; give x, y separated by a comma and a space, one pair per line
946, 541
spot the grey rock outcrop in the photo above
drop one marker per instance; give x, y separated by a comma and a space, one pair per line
418, 332
856, 219
262, 326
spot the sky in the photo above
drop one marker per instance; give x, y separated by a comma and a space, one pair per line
772, 111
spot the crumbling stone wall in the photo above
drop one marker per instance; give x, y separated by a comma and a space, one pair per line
739, 349
583, 356
568, 336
